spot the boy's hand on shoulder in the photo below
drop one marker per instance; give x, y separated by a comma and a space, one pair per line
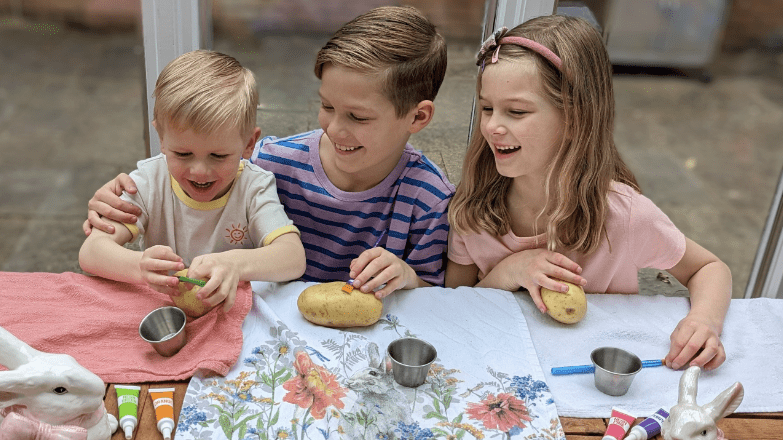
106, 202
537, 268
222, 279
155, 264
695, 341
386, 268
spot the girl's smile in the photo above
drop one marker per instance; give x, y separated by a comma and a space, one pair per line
520, 124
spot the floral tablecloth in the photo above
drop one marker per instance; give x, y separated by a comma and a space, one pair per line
298, 380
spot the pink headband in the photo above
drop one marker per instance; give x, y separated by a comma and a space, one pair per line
495, 41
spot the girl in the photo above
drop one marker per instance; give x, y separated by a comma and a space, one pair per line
545, 196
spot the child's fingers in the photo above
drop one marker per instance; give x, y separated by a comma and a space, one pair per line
564, 262
535, 293
94, 220
562, 274
716, 360
366, 266
230, 299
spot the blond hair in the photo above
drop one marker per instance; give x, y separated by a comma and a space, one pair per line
205, 90
397, 42
586, 162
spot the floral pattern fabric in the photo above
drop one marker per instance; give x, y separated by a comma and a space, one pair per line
296, 380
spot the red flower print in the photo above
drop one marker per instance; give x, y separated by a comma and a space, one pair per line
314, 387
502, 412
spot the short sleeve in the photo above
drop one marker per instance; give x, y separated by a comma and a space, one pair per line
267, 219
458, 250
654, 240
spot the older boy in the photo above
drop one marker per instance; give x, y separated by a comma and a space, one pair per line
357, 182
202, 204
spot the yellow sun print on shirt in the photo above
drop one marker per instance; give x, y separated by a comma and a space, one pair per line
236, 234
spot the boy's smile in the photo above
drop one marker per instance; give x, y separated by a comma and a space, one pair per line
204, 165
364, 139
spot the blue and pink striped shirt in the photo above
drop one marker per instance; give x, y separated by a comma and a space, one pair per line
336, 226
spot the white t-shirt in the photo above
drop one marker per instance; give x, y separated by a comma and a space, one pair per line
249, 216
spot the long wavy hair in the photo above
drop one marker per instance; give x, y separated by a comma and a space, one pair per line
586, 162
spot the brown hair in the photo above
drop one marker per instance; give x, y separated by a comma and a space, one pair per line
396, 41
204, 90
586, 162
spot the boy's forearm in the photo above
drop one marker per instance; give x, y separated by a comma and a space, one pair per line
280, 261
102, 256
710, 292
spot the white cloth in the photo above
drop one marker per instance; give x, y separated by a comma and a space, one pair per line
483, 347
752, 337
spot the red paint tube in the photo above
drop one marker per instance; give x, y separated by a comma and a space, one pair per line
619, 424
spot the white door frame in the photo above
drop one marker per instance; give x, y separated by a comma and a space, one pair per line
766, 275
170, 28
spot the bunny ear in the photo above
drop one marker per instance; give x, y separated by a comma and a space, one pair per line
726, 402
374, 355
14, 352
689, 385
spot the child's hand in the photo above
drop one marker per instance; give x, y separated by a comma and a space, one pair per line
155, 264
695, 341
537, 268
386, 268
107, 203
222, 282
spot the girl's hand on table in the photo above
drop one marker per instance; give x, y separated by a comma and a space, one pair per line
222, 279
385, 267
695, 342
537, 268
155, 264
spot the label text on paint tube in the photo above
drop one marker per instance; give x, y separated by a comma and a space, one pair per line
127, 398
163, 401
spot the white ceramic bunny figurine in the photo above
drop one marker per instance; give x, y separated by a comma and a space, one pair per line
689, 421
49, 389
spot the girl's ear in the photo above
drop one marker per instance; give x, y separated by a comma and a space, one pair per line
251, 143
422, 115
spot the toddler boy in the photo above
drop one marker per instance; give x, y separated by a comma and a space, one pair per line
201, 204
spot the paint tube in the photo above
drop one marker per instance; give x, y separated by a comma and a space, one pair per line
649, 427
128, 407
163, 401
619, 424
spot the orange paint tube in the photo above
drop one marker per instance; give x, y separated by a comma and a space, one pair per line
163, 401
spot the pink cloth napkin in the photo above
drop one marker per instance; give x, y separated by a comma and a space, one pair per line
97, 322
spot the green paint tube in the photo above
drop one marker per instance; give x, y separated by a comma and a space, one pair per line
128, 405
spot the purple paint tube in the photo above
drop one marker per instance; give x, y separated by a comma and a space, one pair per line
649, 427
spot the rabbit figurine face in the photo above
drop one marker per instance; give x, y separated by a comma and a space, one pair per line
689, 421
377, 397
52, 389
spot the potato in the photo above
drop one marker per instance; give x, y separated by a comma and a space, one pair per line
328, 305
567, 307
187, 300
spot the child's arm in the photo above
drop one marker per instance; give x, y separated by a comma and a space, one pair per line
103, 254
107, 203
281, 260
461, 274
533, 269
709, 281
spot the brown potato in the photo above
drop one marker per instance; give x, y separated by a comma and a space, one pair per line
567, 307
187, 300
328, 305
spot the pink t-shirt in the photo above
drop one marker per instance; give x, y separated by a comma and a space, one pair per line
641, 235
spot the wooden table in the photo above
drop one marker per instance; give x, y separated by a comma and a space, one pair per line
764, 426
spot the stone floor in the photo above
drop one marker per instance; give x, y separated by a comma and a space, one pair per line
71, 111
